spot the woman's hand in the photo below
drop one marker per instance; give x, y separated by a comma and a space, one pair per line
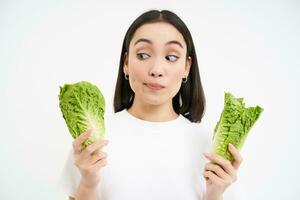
89, 160
220, 173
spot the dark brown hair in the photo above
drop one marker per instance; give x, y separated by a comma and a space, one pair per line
190, 99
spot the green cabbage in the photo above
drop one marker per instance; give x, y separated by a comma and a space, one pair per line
234, 125
83, 105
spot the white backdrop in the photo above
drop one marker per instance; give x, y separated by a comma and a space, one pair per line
249, 48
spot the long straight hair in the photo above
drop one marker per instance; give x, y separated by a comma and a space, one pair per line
190, 99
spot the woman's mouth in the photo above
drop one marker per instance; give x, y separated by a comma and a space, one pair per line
154, 86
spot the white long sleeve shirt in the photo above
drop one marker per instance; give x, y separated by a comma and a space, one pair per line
151, 161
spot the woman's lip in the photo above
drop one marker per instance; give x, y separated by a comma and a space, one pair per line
154, 86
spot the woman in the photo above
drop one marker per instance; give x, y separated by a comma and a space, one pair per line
156, 145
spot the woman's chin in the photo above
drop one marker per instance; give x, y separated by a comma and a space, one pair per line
157, 100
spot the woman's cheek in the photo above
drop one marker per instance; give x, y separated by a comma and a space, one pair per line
137, 73
176, 79
137, 76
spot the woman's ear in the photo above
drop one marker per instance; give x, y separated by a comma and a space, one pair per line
188, 66
125, 65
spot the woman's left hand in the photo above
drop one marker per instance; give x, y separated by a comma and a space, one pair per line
220, 173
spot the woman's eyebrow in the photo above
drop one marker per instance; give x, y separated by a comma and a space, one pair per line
142, 40
149, 42
174, 42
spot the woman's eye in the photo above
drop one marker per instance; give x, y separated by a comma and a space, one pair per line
142, 56
171, 58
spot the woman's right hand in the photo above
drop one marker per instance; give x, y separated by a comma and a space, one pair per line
89, 160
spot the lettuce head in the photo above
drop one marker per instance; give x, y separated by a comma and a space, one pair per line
82, 105
234, 125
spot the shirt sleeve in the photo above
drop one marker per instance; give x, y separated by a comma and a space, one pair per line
69, 177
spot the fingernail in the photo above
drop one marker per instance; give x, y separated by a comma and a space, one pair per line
230, 145
206, 154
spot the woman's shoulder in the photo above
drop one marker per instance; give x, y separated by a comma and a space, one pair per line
199, 131
112, 117
115, 122
112, 114
197, 126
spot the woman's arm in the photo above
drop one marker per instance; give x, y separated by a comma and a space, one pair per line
85, 193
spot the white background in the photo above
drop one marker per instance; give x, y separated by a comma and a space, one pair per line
250, 48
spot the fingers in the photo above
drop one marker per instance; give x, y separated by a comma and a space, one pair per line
99, 156
210, 176
100, 163
91, 155
221, 171
219, 160
237, 158
94, 147
77, 143
217, 170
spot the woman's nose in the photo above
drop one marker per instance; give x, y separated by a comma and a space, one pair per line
154, 74
157, 69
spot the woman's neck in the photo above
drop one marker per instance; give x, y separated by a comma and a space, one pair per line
153, 113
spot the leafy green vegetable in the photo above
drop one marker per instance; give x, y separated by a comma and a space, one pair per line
234, 125
83, 105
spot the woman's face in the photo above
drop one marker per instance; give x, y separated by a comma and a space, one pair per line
156, 63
